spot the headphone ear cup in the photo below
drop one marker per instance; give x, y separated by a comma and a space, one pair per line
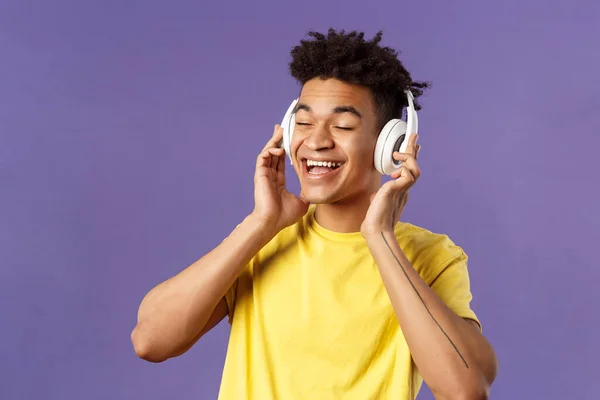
391, 138
288, 123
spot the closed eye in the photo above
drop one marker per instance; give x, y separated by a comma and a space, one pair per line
343, 128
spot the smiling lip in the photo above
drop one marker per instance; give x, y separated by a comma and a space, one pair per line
319, 177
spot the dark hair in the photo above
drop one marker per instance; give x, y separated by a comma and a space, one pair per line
350, 58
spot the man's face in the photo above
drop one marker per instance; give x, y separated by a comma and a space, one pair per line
334, 140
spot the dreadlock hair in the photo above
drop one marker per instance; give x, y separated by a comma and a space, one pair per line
348, 57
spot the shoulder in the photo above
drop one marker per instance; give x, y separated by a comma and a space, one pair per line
285, 239
429, 252
418, 239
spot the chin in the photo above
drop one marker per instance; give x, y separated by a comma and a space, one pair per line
339, 197
325, 195
319, 198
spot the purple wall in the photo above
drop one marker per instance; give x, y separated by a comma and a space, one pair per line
128, 134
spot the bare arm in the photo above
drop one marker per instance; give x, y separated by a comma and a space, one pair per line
177, 312
455, 359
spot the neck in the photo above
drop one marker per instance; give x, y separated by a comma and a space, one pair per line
344, 217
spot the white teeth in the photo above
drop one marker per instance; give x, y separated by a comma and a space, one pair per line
312, 163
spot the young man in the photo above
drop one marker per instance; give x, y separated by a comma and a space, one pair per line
328, 295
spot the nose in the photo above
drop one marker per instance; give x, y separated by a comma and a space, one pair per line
319, 139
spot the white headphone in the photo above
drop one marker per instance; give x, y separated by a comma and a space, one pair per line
393, 137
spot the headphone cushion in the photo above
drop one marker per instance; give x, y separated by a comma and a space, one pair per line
388, 141
288, 123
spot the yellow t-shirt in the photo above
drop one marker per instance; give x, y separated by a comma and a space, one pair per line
311, 319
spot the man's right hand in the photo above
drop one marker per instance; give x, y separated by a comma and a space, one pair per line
273, 204
177, 312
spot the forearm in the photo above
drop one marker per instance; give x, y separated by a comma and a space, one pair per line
174, 313
447, 350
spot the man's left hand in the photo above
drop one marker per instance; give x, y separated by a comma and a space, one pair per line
389, 201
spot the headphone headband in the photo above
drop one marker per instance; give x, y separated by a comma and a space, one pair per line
411, 114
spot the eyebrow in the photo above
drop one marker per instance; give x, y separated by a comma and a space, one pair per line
336, 110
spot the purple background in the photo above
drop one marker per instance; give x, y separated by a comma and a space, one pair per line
128, 135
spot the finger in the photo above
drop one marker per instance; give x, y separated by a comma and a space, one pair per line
276, 138
265, 157
262, 162
272, 159
280, 166
276, 154
412, 143
418, 151
404, 180
396, 173
409, 162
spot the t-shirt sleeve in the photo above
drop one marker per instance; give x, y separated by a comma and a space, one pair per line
452, 285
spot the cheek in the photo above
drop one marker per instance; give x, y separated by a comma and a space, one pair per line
361, 151
295, 144
297, 139
363, 169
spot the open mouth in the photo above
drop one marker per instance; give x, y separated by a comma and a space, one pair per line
320, 167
